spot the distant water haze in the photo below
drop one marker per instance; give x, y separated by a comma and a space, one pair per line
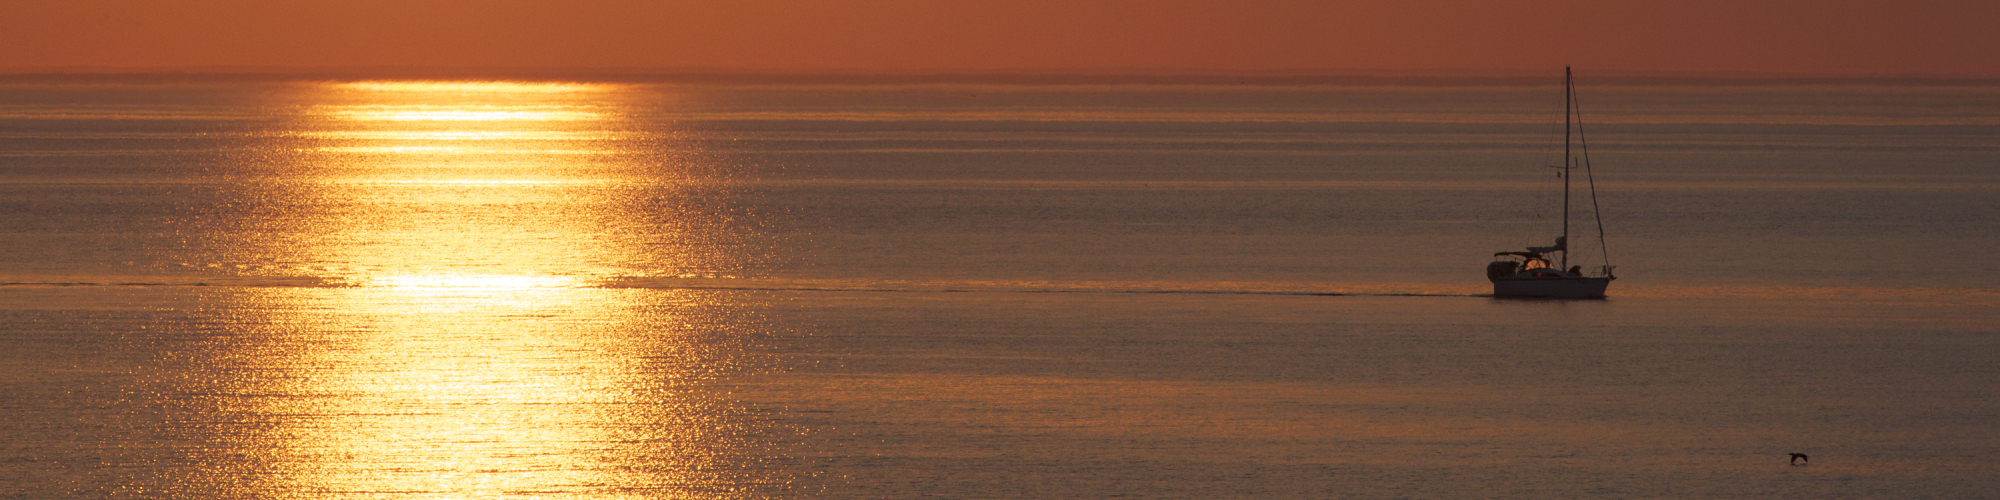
1782, 37
254, 288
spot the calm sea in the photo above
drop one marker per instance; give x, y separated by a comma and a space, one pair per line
432, 289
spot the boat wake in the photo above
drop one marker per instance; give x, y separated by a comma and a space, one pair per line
1080, 287
790, 285
811, 285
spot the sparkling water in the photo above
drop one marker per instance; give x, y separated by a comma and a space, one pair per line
246, 288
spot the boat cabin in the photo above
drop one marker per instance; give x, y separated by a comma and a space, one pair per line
1526, 265
1532, 265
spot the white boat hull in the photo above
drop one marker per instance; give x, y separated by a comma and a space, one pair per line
1555, 288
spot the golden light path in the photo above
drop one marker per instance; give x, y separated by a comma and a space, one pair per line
466, 184
468, 358
473, 281
483, 113
486, 87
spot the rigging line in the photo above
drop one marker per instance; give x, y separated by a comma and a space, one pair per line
1569, 91
1587, 175
1544, 188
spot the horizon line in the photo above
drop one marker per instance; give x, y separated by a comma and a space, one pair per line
1331, 76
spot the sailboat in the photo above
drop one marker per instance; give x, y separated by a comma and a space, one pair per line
1534, 273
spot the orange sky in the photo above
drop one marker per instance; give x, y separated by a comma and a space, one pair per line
1811, 37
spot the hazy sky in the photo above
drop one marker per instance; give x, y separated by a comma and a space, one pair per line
1874, 37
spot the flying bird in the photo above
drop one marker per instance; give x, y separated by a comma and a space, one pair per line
1797, 457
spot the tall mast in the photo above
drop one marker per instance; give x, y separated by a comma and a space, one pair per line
1568, 92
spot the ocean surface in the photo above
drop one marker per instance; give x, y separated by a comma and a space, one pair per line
256, 289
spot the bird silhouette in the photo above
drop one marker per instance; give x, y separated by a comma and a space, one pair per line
1797, 457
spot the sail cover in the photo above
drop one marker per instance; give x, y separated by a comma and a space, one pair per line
1562, 245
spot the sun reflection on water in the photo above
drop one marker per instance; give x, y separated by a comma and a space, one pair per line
468, 184
470, 113
487, 281
487, 182
460, 135
503, 87
482, 391
470, 355
456, 150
